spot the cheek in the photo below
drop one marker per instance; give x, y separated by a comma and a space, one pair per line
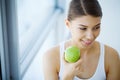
73, 32
97, 33
76, 34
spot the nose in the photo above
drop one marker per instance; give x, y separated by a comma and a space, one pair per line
90, 35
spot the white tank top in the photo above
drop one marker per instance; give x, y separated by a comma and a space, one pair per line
100, 71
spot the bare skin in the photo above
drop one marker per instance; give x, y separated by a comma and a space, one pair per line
86, 66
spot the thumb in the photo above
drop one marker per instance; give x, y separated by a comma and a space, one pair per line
79, 61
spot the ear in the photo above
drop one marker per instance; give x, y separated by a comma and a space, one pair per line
67, 23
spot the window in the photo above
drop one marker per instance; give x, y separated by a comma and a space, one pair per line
37, 27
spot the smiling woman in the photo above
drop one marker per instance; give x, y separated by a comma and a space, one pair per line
97, 59
85, 26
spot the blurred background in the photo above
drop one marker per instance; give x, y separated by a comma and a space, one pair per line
29, 27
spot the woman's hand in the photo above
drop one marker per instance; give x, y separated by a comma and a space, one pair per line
71, 69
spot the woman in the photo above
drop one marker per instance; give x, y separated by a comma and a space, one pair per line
97, 61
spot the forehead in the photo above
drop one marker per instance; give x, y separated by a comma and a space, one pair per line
87, 20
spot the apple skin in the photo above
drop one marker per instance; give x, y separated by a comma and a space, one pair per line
72, 54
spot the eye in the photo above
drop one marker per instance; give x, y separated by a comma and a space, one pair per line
97, 27
83, 28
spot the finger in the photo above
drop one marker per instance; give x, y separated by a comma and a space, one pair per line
78, 62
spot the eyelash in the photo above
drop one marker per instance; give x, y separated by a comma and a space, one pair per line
93, 28
96, 27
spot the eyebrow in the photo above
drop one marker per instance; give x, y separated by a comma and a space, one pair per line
87, 26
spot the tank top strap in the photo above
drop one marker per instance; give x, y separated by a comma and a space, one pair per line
101, 64
101, 58
62, 48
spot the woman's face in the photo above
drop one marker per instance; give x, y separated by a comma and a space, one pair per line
84, 30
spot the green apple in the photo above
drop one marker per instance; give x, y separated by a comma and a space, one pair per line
72, 54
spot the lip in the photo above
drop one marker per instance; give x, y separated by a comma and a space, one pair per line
86, 43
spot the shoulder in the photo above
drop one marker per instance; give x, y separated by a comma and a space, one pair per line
51, 57
112, 60
52, 53
111, 53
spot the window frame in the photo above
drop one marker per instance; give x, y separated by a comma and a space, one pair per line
9, 40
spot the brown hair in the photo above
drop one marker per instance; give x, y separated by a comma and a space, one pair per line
84, 7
